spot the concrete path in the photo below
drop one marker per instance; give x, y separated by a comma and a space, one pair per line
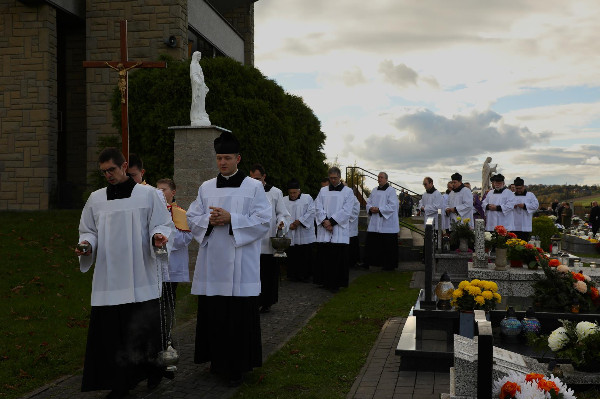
379, 378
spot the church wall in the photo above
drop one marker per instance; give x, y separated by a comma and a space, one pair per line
242, 19
28, 106
149, 24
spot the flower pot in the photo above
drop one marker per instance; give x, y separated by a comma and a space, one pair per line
467, 323
516, 263
463, 244
500, 258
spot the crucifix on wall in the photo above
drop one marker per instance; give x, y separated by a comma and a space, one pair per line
122, 67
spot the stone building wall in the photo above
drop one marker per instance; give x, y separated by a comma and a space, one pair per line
149, 24
28, 106
242, 19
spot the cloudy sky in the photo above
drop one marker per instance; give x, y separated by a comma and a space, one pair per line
432, 87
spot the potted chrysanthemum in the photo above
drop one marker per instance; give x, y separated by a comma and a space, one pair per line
474, 295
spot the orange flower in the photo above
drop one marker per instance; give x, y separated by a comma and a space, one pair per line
500, 230
529, 246
509, 390
533, 377
594, 293
512, 235
547, 386
554, 263
578, 276
540, 250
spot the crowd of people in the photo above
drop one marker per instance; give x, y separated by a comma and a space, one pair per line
125, 226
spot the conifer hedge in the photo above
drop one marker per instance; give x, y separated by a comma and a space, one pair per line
274, 128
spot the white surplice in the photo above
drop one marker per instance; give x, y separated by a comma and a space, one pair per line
337, 205
302, 210
354, 218
120, 232
522, 217
229, 264
279, 213
432, 202
445, 218
463, 202
386, 221
503, 217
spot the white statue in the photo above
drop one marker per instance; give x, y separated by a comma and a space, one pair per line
198, 115
486, 173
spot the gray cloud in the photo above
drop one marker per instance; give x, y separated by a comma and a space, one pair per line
399, 75
353, 77
433, 140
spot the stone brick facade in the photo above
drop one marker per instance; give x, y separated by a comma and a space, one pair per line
242, 19
28, 106
150, 23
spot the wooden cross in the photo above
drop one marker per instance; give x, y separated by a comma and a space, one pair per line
123, 66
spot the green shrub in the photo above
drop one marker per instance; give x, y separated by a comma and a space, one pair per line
544, 228
274, 128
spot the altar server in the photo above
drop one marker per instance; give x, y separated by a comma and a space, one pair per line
499, 205
354, 248
301, 232
178, 264
383, 228
333, 208
121, 223
460, 201
269, 269
229, 218
525, 205
431, 201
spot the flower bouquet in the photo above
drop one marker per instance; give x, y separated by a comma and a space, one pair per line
476, 294
522, 251
561, 289
460, 229
500, 236
530, 386
580, 343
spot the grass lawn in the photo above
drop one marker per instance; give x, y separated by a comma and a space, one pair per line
45, 300
324, 358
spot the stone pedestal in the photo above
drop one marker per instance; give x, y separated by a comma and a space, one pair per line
194, 160
194, 163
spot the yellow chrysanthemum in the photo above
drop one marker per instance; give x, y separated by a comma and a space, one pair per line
467, 220
474, 290
493, 287
497, 297
458, 218
463, 284
476, 282
487, 295
458, 293
479, 299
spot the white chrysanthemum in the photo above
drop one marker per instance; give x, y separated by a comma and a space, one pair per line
530, 390
566, 391
488, 236
586, 277
585, 328
558, 339
563, 269
580, 286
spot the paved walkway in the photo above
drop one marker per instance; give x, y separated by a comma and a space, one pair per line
298, 302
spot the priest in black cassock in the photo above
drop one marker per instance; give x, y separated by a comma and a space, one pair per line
119, 224
229, 218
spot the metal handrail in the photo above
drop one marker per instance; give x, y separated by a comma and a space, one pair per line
350, 180
412, 228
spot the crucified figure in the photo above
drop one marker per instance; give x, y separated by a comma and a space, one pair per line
122, 77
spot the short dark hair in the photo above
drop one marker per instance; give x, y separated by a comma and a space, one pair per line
135, 160
170, 182
111, 154
258, 167
325, 179
429, 179
334, 170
